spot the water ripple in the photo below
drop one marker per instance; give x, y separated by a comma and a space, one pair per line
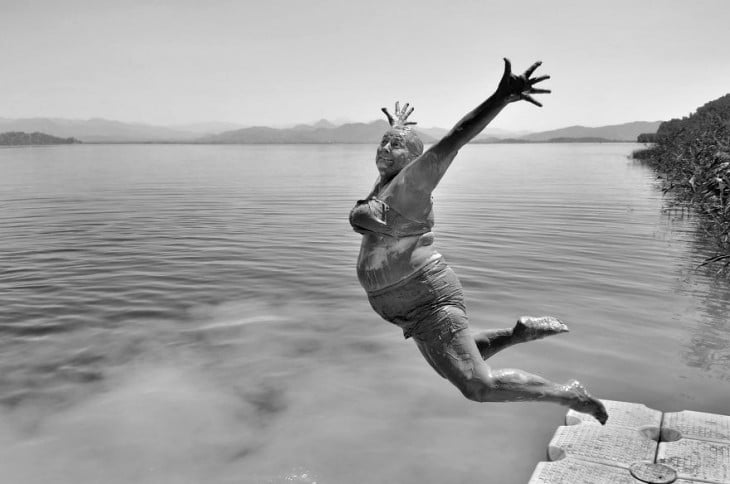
236, 264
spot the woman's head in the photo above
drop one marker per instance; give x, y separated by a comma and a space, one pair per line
400, 144
398, 147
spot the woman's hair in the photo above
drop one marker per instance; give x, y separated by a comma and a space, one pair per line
413, 142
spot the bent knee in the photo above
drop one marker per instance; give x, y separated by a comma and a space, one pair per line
479, 388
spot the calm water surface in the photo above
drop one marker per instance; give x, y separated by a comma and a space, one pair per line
191, 314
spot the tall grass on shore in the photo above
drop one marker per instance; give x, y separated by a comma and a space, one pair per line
692, 159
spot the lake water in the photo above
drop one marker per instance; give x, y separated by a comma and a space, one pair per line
191, 314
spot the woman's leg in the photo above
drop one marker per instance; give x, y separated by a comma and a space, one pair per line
457, 358
526, 329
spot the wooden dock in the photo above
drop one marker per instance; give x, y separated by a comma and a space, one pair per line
638, 445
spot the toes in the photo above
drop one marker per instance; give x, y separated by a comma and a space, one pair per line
539, 327
553, 324
587, 403
599, 411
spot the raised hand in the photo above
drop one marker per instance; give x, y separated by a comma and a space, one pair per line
401, 115
517, 88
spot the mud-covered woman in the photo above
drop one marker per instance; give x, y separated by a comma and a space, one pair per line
407, 280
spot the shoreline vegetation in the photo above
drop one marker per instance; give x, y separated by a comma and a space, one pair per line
19, 138
692, 159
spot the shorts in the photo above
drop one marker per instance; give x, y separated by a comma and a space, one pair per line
427, 304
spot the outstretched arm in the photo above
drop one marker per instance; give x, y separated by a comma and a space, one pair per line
511, 88
426, 171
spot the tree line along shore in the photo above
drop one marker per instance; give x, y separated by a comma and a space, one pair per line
692, 158
17, 138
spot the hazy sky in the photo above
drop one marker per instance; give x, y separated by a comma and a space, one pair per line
277, 62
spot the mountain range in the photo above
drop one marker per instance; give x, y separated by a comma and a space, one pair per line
615, 132
107, 131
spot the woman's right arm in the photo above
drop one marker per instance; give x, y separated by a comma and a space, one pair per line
424, 173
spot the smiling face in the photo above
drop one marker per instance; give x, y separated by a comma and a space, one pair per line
397, 148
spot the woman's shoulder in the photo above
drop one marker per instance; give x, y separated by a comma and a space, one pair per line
403, 188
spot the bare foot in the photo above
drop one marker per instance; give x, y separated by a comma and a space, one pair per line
530, 328
585, 403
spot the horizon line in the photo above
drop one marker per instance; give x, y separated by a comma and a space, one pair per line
292, 125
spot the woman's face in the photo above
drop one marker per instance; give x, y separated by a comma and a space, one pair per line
392, 154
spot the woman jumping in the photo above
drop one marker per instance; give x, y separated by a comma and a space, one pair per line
409, 284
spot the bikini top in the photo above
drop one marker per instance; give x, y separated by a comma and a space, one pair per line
375, 216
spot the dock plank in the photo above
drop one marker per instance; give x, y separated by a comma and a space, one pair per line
621, 414
617, 446
698, 460
575, 470
699, 426
694, 445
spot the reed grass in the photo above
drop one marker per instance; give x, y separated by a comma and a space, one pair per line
692, 159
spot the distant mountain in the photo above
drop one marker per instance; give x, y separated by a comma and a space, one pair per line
321, 124
17, 138
488, 135
322, 131
97, 130
204, 128
588, 139
616, 132
326, 133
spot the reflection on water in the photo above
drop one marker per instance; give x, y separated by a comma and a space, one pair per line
708, 347
191, 313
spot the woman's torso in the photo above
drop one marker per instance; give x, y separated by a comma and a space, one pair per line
394, 245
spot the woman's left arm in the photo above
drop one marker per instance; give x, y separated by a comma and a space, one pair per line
425, 172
